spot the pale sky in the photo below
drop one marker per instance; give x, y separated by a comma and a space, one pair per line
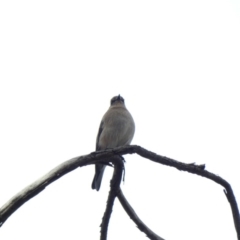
176, 63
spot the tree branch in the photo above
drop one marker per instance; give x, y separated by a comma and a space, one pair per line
192, 168
103, 156
114, 189
131, 213
36, 187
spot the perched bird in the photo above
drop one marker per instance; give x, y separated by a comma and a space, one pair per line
116, 129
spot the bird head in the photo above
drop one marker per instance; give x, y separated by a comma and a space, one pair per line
117, 100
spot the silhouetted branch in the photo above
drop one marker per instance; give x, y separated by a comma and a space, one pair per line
131, 213
33, 189
105, 156
114, 189
192, 168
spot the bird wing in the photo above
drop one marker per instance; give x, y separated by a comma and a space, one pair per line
98, 136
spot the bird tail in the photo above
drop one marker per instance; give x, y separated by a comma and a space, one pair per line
99, 170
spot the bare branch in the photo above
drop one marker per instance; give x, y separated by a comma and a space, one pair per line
131, 213
196, 169
115, 186
103, 156
33, 189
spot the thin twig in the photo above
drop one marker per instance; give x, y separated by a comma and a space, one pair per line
131, 213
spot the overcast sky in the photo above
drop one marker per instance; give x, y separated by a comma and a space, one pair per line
176, 63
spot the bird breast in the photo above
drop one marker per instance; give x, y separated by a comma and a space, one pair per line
118, 129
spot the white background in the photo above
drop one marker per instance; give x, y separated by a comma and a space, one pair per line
176, 63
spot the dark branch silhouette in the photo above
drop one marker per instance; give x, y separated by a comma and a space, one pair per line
131, 213
114, 189
106, 156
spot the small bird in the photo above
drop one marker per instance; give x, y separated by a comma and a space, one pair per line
116, 129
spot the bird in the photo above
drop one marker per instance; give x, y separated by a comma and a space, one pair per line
116, 129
